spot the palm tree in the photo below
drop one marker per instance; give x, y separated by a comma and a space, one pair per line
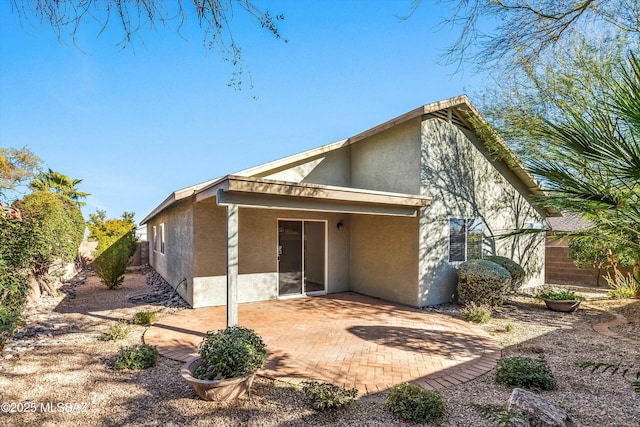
595, 170
56, 182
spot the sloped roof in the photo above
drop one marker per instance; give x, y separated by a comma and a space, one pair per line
458, 109
569, 222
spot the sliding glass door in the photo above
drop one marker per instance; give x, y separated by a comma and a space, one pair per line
301, 257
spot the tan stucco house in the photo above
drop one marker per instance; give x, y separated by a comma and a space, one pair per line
389, 212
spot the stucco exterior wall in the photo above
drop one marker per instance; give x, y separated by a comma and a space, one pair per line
384, 260
332, 168
465, 183
176, 264
388, 161
258, 245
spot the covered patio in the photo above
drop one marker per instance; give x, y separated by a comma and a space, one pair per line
346, 339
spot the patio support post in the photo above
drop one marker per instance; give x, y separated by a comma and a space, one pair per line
232, 265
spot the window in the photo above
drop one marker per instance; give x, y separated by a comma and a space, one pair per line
162, 238
154, 242
465, 239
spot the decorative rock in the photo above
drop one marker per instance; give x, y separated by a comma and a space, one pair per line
536, 411
162, 292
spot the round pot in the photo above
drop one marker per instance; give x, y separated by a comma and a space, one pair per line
224, 390
566, 306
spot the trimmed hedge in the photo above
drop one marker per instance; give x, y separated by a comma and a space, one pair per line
515, 269
482, 282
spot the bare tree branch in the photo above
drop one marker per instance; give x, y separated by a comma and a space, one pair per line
66, 17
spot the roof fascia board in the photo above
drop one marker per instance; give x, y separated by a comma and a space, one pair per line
271, 201
174, 197
240, 184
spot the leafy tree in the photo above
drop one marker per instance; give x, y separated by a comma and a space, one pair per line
528, 32
212, 16
56, 182
17, 166
596, 167
600, 251
116, 243
54, 227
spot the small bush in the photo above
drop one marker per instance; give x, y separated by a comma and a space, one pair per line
515, 270
521, 371
482, 282
509, 328
412, 402
559, 295
119, 331
116, 243
327, 396
230, 353
141, 356
111, 264
623, 286
473, 312
144, 317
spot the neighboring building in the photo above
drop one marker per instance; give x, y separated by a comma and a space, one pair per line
141, 233
389, 212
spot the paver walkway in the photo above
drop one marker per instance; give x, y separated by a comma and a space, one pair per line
604, 327
346, 339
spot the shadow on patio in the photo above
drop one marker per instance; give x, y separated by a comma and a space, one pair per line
347, 339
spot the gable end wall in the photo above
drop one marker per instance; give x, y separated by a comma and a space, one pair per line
463, 182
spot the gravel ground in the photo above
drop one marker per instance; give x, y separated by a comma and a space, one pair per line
59, 372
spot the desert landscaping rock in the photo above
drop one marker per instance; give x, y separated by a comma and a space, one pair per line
536, 411
162, 293
73, 367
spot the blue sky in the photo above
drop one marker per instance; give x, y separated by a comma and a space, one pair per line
137, 125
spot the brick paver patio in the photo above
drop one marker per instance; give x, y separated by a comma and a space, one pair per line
346, 339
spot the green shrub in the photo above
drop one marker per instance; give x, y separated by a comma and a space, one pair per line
509, 328
144, 317
515, 270
482, 282
55, 229
473, 312
521, 371
119, 331
412, 402
623, 286
327, 396
141, 356
48, 228
116, 243
230, 352
559, 295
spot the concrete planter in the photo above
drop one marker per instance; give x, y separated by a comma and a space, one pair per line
566, 306
215, 390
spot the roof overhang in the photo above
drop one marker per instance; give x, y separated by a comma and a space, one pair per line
272, 194
175, 196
